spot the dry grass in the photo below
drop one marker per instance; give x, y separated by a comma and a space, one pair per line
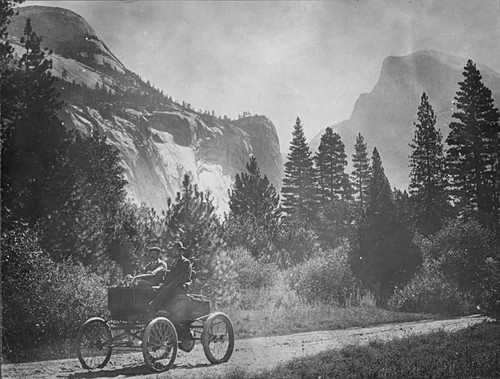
279, 311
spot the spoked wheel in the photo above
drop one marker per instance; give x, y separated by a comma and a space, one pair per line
94, 344
159, 344
218, 338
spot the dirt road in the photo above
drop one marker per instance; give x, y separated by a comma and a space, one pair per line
251, 355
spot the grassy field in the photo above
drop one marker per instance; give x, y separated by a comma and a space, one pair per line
279, 311
472, 352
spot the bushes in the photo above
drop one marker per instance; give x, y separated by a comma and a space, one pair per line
254, 274
452, 278
490, 297
295, 244
460, 251
235, 274
326, 277
43, 301
221, 286
430, 292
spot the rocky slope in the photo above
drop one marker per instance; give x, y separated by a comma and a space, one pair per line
385, 116
159, 142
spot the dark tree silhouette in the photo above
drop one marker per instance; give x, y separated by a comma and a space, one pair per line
361, 170
428, 172
330, 164
254, 215
385, 256
299, 190
474, 153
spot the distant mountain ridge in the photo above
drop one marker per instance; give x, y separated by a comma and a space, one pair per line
159, 142
385, 116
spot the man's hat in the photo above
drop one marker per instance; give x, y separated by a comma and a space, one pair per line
154, 249
178, 245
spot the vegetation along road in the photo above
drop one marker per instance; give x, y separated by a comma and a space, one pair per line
250, 355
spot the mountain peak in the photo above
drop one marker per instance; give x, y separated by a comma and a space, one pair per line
385, 116
71, 26
65, 33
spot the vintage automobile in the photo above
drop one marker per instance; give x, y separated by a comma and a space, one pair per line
183, 321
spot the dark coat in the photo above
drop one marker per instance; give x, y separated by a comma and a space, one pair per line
180, 274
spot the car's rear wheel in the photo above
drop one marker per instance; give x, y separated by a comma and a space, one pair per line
159, 344
217, 338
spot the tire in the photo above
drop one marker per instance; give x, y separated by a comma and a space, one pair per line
94, 343
159, 344
217, 338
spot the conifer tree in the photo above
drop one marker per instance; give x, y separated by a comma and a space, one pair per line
86, 224
253, 196
254, 215
474, 154
192, 216
428, 172
6, 50
385, 257
361, 170
330, 164
65, 186
299, 184
35, 145
379, 194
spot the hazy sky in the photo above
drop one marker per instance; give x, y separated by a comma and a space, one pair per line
284, 59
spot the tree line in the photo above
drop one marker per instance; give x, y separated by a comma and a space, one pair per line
320, 199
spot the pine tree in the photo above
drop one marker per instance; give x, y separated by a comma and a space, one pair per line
428, 172
67, 187
361, 172
330, 164
299, 184
6, 50
474, 154
35, 145
254, 215
379, 194
384, 257
86, 224
192, 216
253, 196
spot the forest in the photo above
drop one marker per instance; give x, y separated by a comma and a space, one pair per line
329, 237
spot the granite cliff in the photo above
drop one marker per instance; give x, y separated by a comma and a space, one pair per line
159, 139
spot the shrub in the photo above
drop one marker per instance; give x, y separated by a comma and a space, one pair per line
43, 301
430, 292
254, 274
460, 251
295, 244
490, 297
221, 286
250, 234
452, 278
326, 277
236, 273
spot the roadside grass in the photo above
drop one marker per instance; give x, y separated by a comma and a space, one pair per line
472, 352
279, 311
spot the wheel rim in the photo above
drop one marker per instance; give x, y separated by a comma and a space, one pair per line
218, 339
94, 348
160, 345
